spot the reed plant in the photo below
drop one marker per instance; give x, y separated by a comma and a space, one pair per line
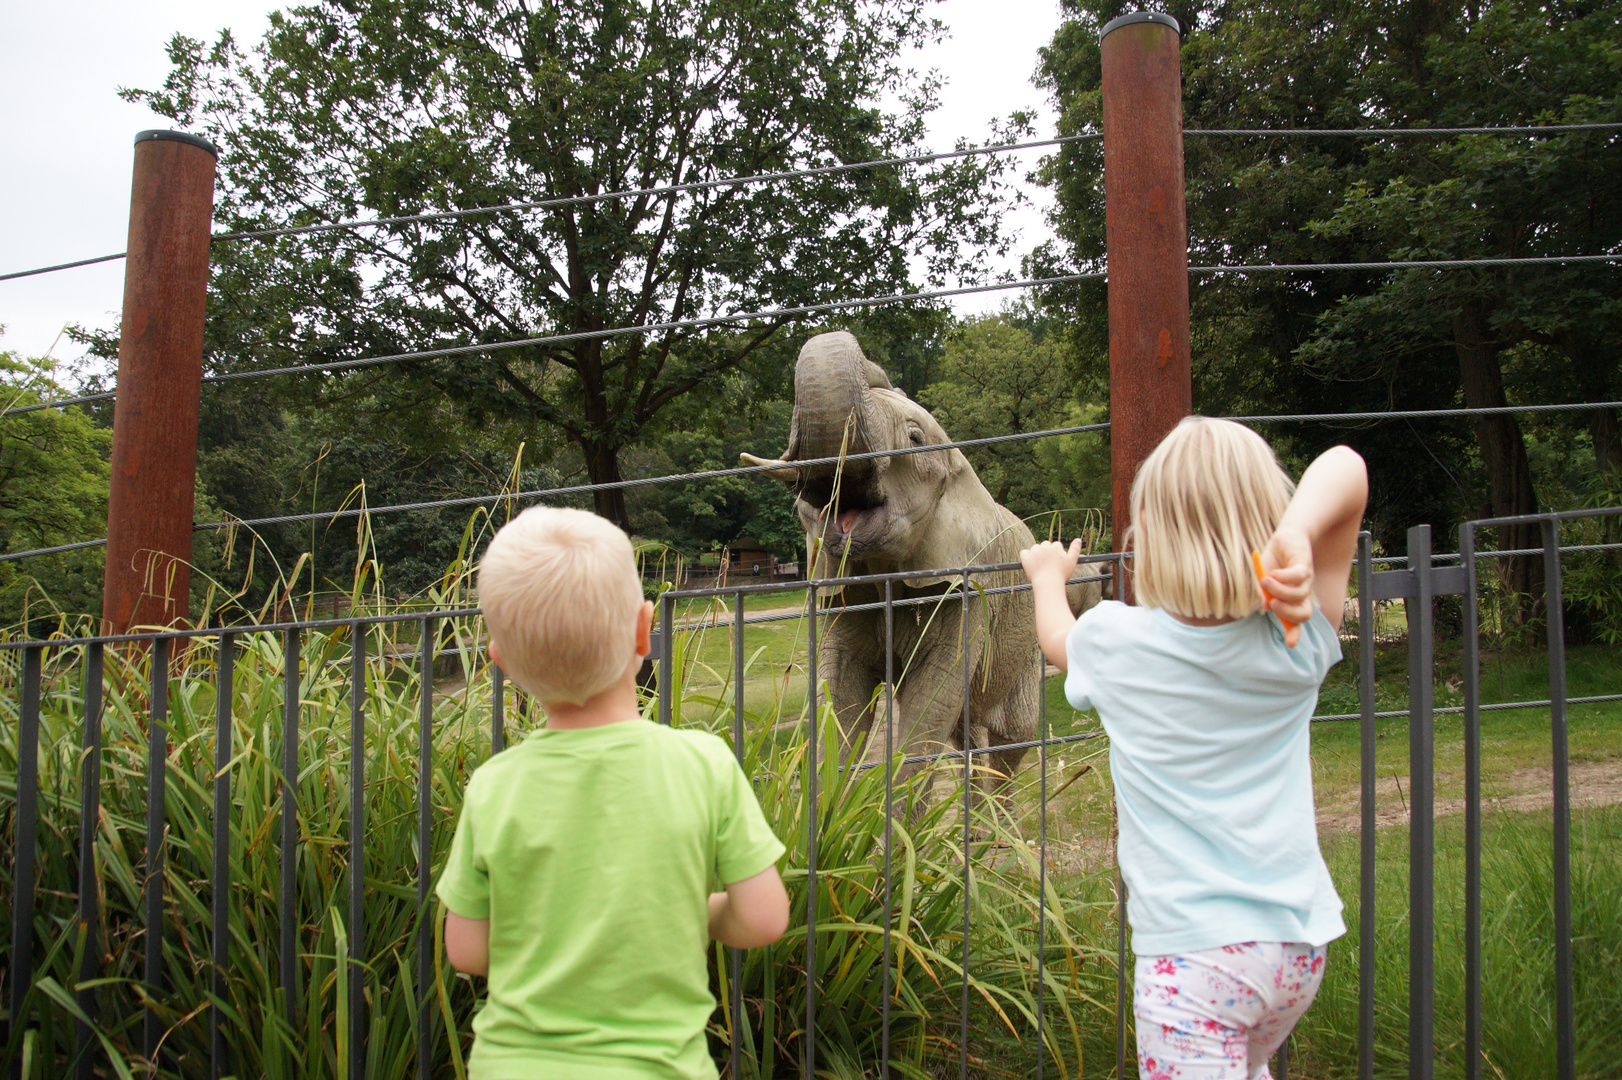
277, 1031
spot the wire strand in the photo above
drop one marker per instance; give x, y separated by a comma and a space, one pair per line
587, 335
1522, 129
1408, 264
607, 196
828, 170
61, 266
789, 313
743, 470
655, 192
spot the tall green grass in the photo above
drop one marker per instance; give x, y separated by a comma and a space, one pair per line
1518, 1034
268, 1038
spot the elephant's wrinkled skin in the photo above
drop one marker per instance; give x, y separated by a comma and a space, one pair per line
909, 512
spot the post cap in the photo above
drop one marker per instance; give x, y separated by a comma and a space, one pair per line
1139, 17
177, 136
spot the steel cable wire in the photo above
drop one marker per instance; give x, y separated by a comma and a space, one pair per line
744, 470
829, 170
606, 196
1522, 129
791, 313
589, 335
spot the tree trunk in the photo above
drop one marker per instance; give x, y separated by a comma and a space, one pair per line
603, 467
1602, 427
1595, 378
1593, 368
1503, 452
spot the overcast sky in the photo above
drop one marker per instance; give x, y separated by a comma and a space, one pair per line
64, 188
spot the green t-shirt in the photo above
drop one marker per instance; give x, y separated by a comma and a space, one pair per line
592, 852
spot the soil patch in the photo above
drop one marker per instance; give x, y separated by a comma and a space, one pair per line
1593, 783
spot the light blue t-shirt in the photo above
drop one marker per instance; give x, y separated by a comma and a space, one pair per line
1209, 749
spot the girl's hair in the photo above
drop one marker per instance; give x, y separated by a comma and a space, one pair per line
1210, 494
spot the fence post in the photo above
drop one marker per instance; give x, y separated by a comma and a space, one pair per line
1421, 802
1146, 233
1367, 734
160, 370
1565, 1009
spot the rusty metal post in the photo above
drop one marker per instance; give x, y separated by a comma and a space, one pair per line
160, 371
1146, 231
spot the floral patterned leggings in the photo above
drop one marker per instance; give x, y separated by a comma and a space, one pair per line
1220, 1014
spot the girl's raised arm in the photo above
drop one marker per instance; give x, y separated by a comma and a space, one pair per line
1310, 554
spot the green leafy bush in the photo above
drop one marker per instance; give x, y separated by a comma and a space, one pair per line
268, 1038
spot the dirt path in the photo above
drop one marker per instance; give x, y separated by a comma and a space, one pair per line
1593, 783
724, 622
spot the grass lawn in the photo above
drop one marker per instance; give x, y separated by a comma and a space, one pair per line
1518, 959
1079, 1006
1516, 875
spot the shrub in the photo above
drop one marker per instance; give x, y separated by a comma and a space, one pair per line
266, 1037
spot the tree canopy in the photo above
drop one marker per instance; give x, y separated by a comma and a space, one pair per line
405, 106
1339, 341
1004, 374
53, 490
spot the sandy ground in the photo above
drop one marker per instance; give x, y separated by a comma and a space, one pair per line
1593, 783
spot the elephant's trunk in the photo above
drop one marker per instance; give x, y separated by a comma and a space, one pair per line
833, 393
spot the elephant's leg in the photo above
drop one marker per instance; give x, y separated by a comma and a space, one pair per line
845, 663
1011, 720
993, 771
927, 718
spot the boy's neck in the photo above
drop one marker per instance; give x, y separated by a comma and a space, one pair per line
615, 705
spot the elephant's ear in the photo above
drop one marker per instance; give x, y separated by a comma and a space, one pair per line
969, 528
788, 474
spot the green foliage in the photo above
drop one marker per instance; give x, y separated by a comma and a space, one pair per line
53, 490
1353, 341
327, 463
266, 1038
1001, 375
697, 517
1592, 580
1518, 1035
347, 111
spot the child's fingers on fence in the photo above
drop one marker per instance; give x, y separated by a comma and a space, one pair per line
1049, 557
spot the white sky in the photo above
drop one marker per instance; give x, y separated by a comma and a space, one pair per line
65, 177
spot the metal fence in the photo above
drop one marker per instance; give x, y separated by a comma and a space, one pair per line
1415, 581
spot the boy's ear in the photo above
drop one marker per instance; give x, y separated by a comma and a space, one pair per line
644, 629
495, 656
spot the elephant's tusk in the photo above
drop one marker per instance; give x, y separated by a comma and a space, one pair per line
787, 473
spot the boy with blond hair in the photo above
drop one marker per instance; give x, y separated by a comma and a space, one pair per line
580, 879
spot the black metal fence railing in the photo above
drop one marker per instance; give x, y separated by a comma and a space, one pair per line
225, 901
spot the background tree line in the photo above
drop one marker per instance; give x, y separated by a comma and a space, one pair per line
407, 106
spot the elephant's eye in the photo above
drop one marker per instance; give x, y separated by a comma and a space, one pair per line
916, 435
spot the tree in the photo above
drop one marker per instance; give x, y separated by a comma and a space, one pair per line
1338, 341
403, 106
1003, 375
53, 490
693, 518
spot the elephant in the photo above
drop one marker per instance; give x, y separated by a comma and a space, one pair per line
901, 512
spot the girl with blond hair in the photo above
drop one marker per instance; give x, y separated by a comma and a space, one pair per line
1207, 690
